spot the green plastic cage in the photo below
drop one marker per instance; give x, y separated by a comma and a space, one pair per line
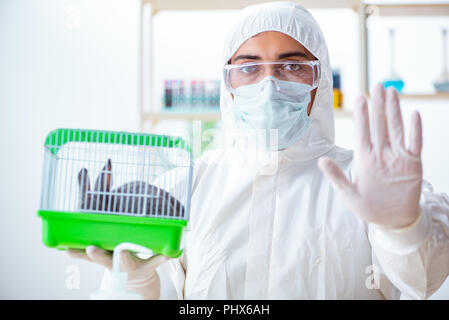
103, 188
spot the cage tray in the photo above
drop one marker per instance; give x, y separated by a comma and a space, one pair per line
78, 230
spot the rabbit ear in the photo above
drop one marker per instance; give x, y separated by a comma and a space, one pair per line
84, 187
83, 180
104, 180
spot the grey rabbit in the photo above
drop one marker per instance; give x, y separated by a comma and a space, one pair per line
127, 198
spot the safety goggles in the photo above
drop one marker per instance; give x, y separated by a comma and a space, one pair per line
237, 75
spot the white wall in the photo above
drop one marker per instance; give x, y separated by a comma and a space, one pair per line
73, 63
63, 63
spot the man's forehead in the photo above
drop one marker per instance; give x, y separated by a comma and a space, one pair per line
272, 43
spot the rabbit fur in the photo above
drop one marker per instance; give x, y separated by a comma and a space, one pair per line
130, 198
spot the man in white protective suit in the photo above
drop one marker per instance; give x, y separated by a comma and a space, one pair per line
307, 219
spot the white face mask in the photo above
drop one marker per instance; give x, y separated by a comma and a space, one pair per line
266, 106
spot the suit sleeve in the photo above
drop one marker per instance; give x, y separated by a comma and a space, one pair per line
173, 273
415, 259
172, 277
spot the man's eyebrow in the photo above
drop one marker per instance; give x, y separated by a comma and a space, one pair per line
281, 56
247, 56
293, 54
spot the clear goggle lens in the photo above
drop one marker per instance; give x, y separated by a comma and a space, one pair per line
251, 73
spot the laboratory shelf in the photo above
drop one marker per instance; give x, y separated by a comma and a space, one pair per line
156, 116
159, 5
439, 95
149, 8
363, 8
191, 109
408, 9
342, 113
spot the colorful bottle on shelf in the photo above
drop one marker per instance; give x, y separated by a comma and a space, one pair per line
174, 88
181, 96
441, 84
201, 94
338, 94
393, 80
194, 95
167, 94
216, 95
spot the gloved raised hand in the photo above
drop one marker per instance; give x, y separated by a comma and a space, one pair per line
142, 275
388, 176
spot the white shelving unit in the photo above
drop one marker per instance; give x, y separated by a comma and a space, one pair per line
150, 113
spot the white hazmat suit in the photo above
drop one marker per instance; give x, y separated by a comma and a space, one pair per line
276, 229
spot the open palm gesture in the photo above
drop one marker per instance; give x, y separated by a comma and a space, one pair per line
387, 183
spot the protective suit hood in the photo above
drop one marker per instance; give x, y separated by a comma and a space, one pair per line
296, 22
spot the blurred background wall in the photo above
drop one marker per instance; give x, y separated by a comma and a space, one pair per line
75, 63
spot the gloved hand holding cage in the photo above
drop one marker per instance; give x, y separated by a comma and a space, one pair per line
150, 205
